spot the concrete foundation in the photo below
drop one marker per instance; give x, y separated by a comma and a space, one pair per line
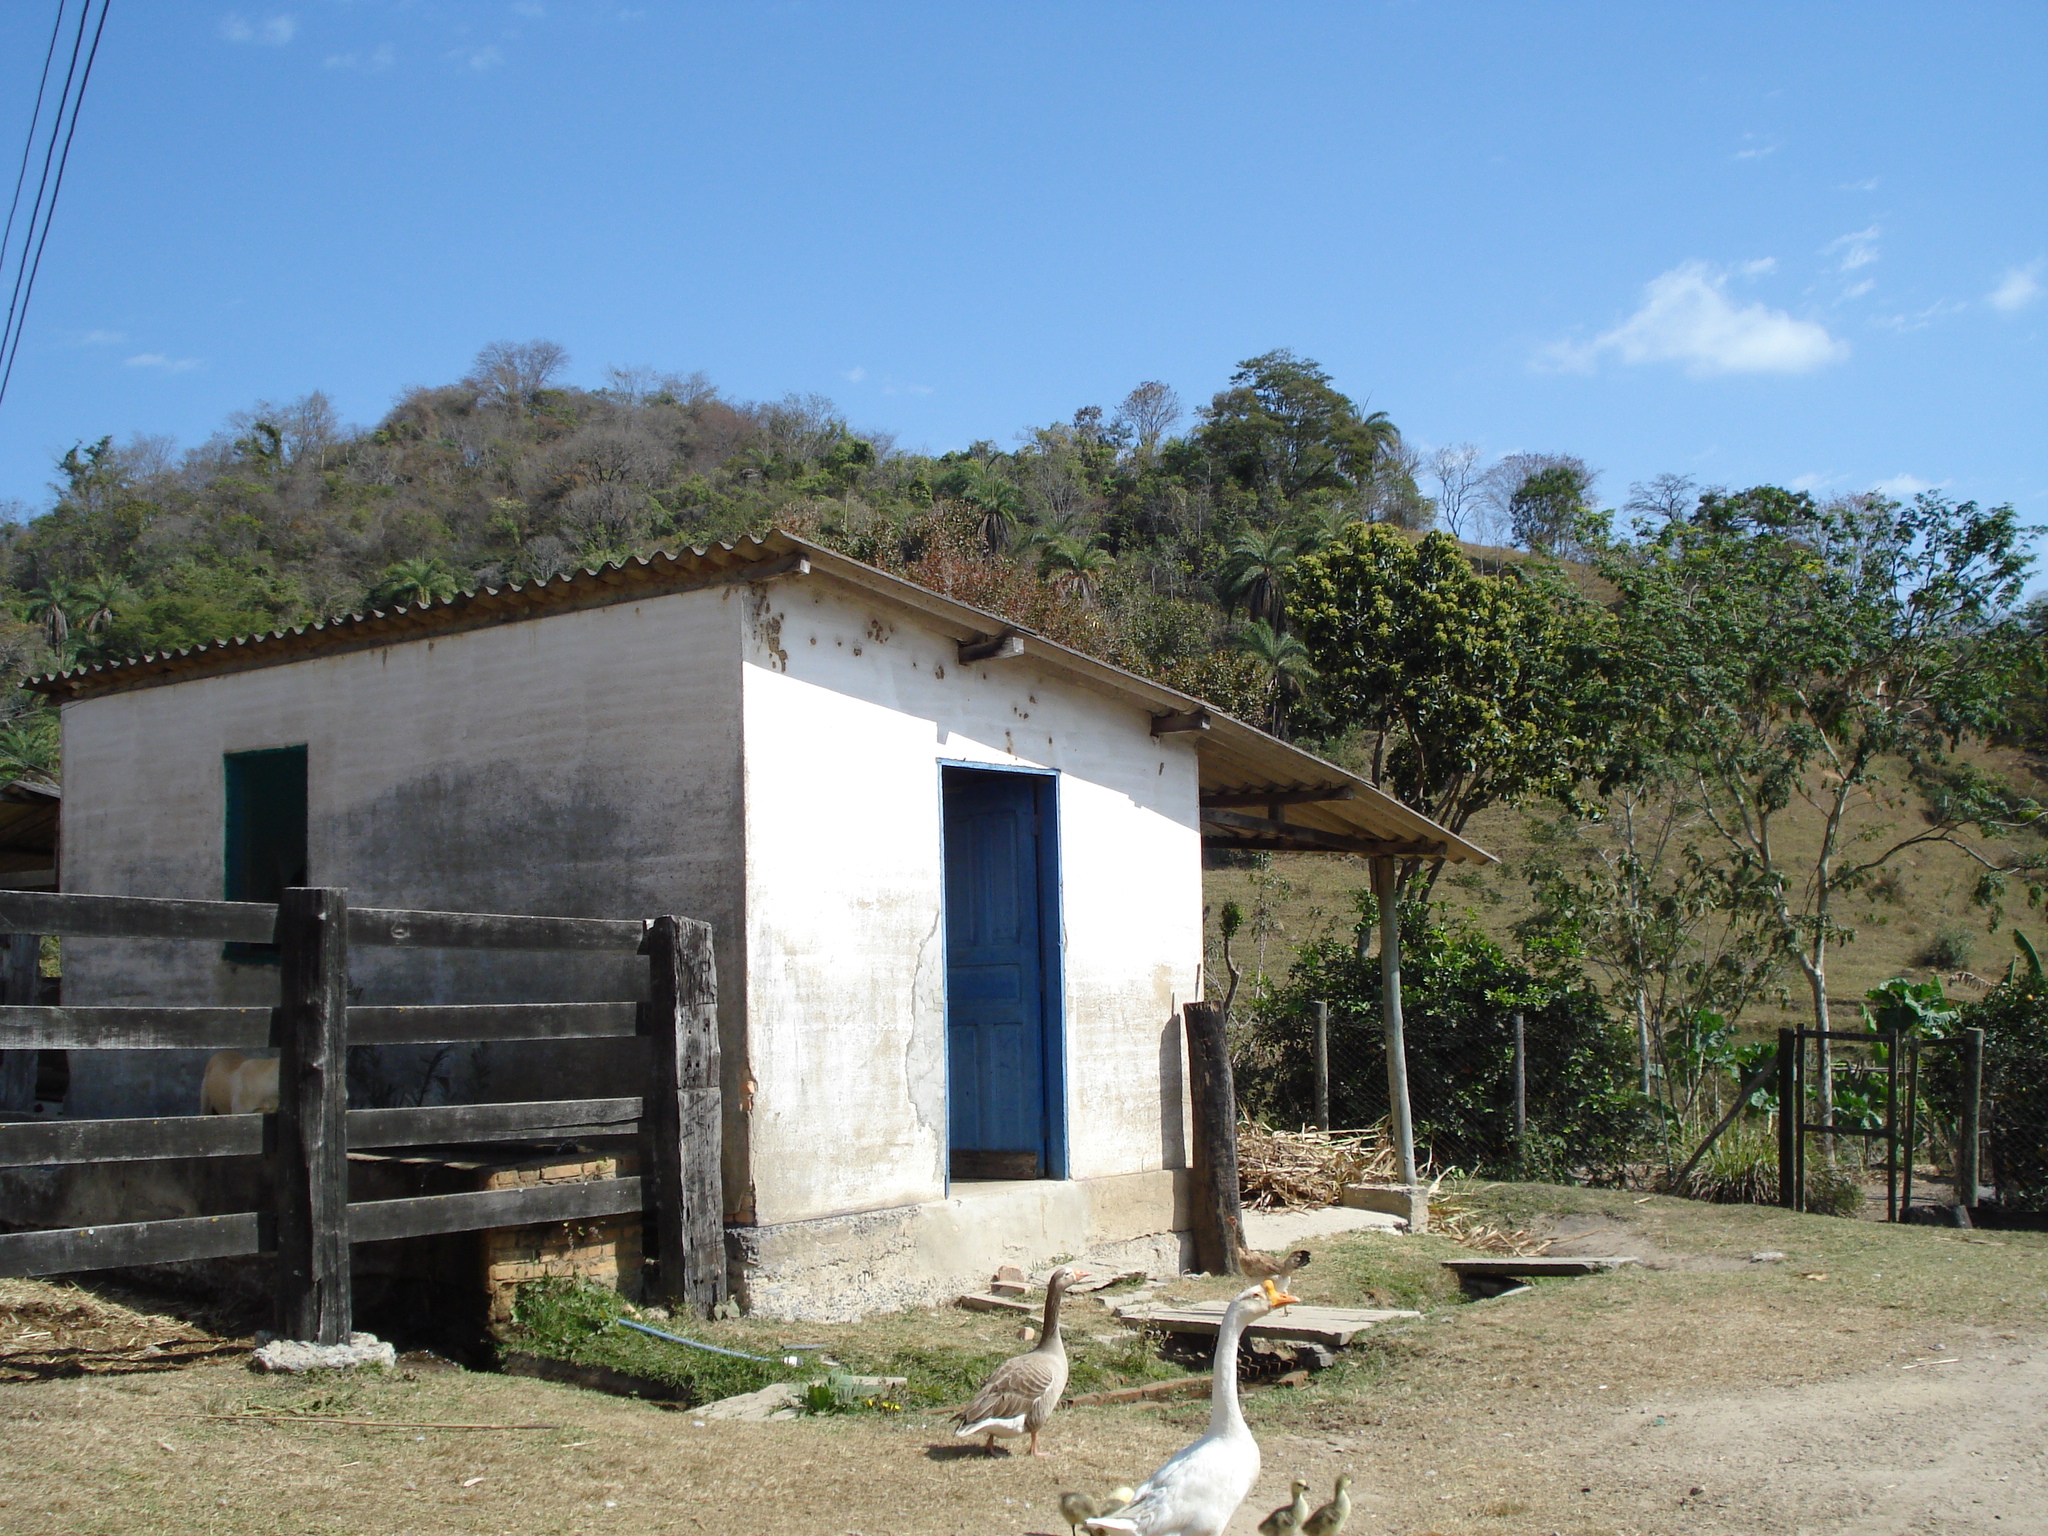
838, 1268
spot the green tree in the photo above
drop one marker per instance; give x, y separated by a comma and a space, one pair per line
1835, 656
1465, 690
51, 605
1549, 511
1282, 430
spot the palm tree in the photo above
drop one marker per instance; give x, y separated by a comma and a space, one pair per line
996, 497
98, 600
1321, 527
50, 605
1284, 660
1254, 573
1075, 567
28, 746
414, 583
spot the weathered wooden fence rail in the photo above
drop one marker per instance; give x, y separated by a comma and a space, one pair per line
309, 1137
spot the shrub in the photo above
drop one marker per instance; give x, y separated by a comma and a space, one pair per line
1460, 992
1949, 948
2014, 1018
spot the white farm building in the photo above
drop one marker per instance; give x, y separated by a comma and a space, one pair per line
954, 873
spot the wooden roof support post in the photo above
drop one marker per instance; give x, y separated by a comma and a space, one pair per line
1386, 889
313, 1297
1218, 1216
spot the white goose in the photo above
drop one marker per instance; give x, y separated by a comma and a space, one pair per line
1197, 1492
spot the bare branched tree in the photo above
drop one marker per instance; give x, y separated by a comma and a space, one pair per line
1149, 412
1459, 482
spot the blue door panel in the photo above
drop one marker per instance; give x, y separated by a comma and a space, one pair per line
995, 967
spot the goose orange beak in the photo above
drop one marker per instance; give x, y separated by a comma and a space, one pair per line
1277, 1297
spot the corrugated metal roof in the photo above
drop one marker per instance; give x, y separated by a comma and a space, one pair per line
1242, 766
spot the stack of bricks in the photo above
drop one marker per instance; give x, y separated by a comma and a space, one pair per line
602, 1249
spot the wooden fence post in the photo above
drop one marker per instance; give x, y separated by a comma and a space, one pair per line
1970, 1133
1218, 1215
1790, 1113
1322, 1050
1521, 1095
684, 1124
19, 953
313, 1298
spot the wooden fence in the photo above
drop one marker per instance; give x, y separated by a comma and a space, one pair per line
309, 1138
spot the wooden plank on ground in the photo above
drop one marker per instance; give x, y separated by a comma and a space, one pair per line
137, 1242
40, 1143
134, 1029
136, 917
1150, 1392
1504, 1268
491, 1021
374, 1221
381, 926
546, 1120
979, 1302
1331, 1327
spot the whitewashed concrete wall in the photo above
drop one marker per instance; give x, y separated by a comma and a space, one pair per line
584, 764
850, 711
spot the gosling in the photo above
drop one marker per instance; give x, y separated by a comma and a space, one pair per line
1329, 1520
1287, 1519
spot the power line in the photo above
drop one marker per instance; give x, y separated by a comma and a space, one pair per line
27, 268
29, 144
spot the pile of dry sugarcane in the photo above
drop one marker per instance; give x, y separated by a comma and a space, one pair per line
1279, 1169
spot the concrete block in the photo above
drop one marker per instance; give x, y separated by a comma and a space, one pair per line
1410, 1204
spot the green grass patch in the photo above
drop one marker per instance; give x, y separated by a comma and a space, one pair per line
944, 1353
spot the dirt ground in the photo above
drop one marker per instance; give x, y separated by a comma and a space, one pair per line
1875, 1380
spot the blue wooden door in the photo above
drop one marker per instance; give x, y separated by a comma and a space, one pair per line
996, 975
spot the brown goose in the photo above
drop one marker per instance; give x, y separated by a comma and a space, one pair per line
1022, 1392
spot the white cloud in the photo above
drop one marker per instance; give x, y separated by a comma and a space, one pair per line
1756, 146
102, 338
1688, 318
378, 59
854, 375
1868, 184
1919, 320
1763, 266
1810, 482
272, 32
1858, 250
529, 8
2018, 288
1907, 485
1857, 290
478, 58
163, 364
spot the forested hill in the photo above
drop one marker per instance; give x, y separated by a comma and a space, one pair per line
1156, 536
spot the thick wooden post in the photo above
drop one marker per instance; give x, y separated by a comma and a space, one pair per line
1386, 889
313, 1299
1322, 1051
684, 1131
1970, 1132
1790, 1111
1218, 1216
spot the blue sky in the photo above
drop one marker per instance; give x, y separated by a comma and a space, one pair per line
1802, 244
